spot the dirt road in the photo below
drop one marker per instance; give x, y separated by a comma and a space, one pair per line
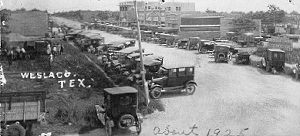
229, 98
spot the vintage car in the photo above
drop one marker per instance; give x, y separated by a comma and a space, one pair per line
182, 43
193, 43
119, 45
146, 36
206, 46
173, 79
167, 39
221, 53
152, 65
243, 58
120, 109
273, 60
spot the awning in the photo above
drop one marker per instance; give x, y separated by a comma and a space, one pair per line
16, 37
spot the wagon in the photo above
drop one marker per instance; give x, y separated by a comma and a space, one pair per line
20, 110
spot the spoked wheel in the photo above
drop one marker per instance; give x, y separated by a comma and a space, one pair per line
190, 88
108, 129
138, 128
155, 92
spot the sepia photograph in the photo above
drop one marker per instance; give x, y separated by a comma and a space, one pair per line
150, 68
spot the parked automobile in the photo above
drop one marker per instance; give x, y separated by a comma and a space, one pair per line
206, 46
119, 45
120, 109
273, 60
183, 43
173, 79
221, 53
243, 58
167, 39
146, 36
193, 43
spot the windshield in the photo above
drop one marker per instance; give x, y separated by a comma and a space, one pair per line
278, 56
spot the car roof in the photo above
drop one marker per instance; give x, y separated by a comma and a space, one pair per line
276, 50
170, 67
120, 90
223, 45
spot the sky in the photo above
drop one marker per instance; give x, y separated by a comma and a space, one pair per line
201, 5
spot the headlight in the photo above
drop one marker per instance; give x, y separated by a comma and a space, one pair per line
294, 71
140, 117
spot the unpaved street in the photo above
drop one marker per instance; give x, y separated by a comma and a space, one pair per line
228, 97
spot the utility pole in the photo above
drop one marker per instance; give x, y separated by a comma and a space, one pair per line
143, 72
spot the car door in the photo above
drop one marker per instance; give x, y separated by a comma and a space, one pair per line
172, 78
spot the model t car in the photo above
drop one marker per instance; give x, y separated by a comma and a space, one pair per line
273, 60
221, 53
193, 43
120, 109
173, 79
183, 43
243, 58
206, 46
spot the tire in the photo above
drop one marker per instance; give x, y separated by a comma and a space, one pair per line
263, 63
108, 129
138, 128
268, 68
15, 130
155, 93
190, 88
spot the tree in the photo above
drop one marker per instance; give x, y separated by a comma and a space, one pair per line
276, 14
295, 17
243, 24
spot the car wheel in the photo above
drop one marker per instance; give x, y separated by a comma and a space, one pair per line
155, 93
138, 128
16, 130
190, 88
108, 129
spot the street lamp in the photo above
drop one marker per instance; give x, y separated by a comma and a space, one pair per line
143, 71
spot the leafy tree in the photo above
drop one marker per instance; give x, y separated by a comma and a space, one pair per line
243, 24
295, 17
276, 14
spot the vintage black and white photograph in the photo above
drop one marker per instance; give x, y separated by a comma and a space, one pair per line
150, 68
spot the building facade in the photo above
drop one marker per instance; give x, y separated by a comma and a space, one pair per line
29, 23
154, 13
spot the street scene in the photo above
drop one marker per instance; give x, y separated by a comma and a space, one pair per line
184, 68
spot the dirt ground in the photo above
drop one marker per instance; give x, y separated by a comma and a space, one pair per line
229, 98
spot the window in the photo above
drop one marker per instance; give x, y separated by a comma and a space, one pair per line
181, 72
149, 7
178, 8
172, 73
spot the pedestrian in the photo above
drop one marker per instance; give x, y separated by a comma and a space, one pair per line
10, 58
48, 49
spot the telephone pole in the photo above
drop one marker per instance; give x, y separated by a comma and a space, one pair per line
143, 71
